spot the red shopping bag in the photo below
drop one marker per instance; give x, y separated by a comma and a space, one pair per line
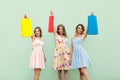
51, 24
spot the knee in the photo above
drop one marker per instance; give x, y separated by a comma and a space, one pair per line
38, 72
82, 71
59, 71
65, 71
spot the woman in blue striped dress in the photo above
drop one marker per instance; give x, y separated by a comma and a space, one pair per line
80, 58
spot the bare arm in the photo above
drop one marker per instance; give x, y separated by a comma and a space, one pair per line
55, 32
33, 37
71, 49
44, 54
84, 35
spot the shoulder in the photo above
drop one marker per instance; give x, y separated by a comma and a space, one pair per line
83, 37
57, 36
41, 39
73, 37
33, 38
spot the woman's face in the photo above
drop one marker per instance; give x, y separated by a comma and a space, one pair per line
37, 32
79, 30
60, 30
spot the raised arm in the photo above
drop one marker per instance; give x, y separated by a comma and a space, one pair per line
84, 35
33, 37
55, 32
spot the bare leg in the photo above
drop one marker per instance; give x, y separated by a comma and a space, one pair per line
84, 72
60, 74
65, 74
81, 74
37, 73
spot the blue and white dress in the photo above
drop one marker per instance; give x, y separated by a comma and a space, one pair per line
80, 58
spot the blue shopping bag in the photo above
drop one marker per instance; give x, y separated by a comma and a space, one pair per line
92, 25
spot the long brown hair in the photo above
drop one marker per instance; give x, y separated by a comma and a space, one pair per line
63, 27
39, 30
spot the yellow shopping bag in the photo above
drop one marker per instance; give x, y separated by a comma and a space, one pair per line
26, 27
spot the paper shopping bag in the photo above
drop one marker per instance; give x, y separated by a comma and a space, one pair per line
92, 25
51, 24
26, 27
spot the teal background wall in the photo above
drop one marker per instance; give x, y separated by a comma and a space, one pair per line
15, 51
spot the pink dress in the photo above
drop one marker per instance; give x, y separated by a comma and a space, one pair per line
37, 57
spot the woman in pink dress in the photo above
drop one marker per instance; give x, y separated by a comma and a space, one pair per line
37, 59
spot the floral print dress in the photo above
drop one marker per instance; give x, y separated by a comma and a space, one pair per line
62, 56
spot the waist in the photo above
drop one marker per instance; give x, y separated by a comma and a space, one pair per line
77, 46
62, 45
36, 48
